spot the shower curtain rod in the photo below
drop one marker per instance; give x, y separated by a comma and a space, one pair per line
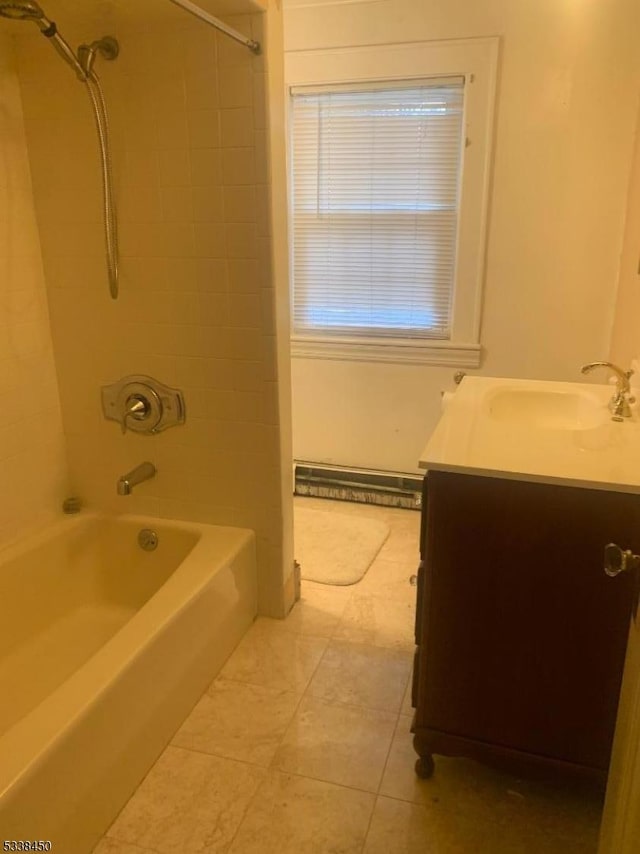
218, 24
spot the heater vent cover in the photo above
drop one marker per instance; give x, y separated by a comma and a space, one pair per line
359, 485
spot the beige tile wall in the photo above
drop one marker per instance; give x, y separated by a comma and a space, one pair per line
32, 457
195, 309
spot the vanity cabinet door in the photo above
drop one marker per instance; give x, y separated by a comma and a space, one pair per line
523, 636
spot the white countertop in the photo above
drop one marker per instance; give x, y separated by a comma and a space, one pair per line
469, 439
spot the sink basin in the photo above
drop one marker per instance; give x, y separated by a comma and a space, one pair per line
546, 410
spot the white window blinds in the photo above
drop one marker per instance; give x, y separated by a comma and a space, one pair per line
376, 177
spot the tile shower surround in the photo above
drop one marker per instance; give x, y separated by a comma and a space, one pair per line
188, 123
33, 465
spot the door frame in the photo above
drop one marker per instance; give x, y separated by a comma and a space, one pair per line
620, 828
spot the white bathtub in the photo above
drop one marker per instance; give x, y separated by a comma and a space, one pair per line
104, 648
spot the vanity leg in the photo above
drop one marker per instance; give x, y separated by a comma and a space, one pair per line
424, 766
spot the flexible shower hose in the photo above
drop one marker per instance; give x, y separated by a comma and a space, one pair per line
110, 223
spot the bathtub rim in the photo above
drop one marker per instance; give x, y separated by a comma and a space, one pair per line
20, 751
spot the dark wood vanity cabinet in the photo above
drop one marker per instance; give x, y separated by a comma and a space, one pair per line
520, 634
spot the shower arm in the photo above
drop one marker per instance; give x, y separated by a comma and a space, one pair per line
107, 47
200, 13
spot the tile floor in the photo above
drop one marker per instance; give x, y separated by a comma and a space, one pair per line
302, 744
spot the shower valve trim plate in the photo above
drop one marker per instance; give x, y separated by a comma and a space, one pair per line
143, 405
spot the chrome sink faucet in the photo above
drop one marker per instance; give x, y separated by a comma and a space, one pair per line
145, 471
621, 400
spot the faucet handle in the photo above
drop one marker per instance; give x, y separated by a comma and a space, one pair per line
142, 404
138, 407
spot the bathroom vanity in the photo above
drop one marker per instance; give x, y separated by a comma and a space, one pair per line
520, 633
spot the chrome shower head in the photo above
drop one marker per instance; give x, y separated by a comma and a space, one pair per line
21, 10
27, 10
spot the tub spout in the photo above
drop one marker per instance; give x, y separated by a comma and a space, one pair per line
145, 471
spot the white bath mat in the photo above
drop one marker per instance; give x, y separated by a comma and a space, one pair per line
335, 548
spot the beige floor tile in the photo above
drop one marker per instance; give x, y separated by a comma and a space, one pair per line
330, 506
360, 675
397, 518
114, 846
402, 546
271, 655
401, 520
295, 815
378, 621
319, 609
389, 579
339, 744
560, 812
407, 708
316, 503
455, 781
239, 721
404, 523
340, 592
403, 828
483, 793
188, 802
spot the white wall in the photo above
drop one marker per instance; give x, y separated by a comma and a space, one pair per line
566, 107
33, 469
625, 341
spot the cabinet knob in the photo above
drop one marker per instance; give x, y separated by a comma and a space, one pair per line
617, 560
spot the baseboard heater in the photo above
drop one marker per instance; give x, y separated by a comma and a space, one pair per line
360, 485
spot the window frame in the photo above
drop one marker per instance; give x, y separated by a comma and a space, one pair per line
476, 60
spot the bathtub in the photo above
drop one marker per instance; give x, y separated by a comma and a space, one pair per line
104, 649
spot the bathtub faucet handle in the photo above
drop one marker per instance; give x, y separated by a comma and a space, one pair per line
138, 407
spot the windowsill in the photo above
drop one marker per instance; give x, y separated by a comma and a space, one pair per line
445, 353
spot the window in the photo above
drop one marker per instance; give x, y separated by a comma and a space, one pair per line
389, 152
375, 208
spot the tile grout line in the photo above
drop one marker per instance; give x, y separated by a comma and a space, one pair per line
300, 776
250, 803
386, 760
368, 830
303, 695
337, 704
